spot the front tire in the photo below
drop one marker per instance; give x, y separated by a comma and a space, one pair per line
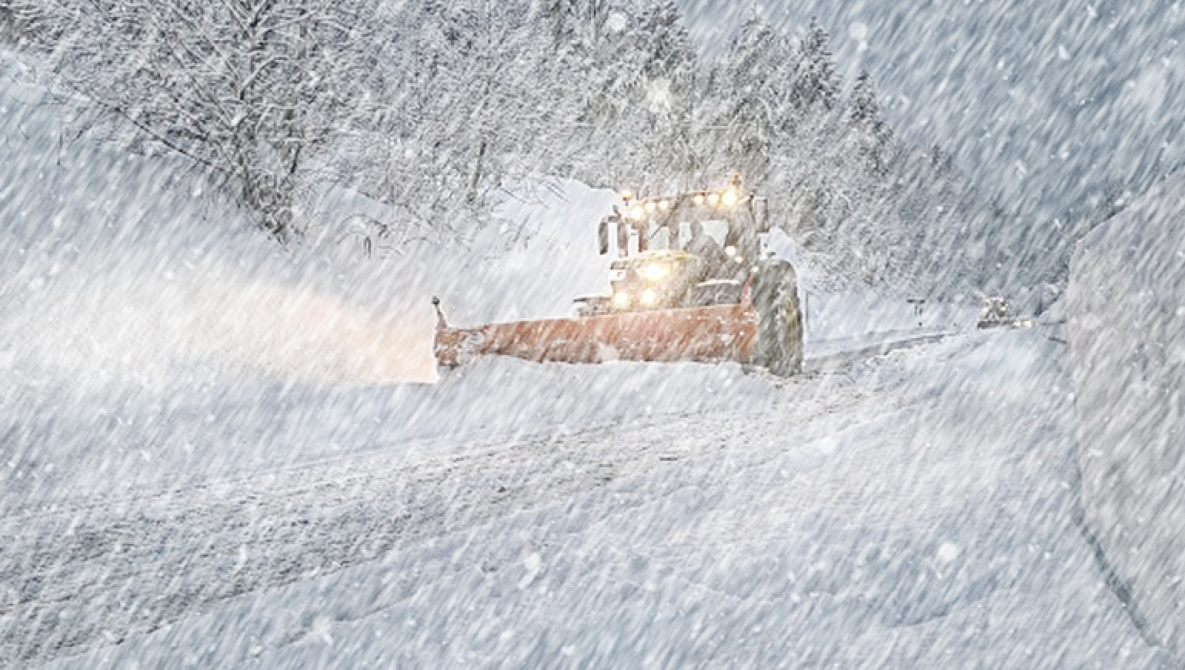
779, 333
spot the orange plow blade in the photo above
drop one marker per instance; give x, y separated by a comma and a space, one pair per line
715, 333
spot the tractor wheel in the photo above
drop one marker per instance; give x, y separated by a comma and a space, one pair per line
779, 333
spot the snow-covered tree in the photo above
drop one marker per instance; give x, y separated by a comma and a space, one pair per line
576, 20
432, 106
640, 87
742, 107
817, 82
867, 132
463, 98
251, 90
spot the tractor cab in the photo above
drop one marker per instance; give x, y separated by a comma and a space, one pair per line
690, 250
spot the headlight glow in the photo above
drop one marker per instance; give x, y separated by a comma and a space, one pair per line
664, 205
636, 212
713, 198
621, 300
649, 205
729, 198
654, 271
698, 200
649, 298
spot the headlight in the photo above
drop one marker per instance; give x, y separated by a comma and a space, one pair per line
698, 200
713, 198
636, 212
621, 300
649, 205
649, 298
729, 198
664, 205
654, 271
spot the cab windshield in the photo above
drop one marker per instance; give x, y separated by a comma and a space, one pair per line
678, 236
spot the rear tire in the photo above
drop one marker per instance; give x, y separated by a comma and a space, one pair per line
779, 334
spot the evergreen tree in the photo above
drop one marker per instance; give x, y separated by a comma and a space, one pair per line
748, 120
871, 136
752, 57
640, 97
664, 44
865, 111
817, 82
560, 18
576, 21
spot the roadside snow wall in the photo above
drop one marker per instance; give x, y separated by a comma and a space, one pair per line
1126, 327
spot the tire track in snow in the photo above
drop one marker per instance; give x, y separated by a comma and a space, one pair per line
174, 556
89, 575
95, 573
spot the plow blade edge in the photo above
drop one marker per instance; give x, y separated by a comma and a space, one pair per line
715, 333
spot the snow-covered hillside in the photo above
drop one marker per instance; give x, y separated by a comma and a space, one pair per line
1127, 332
215, 453
119, 267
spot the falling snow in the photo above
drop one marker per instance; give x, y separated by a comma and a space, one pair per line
225, 440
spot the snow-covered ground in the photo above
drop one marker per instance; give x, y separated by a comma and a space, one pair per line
217, 454
1127, 337
916, 510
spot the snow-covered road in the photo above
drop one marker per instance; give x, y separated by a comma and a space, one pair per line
916, 509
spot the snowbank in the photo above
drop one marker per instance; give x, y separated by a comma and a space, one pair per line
118, 268
1126, 309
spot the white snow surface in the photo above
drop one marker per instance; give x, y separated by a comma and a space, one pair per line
913, 511
1126, 303
214, 453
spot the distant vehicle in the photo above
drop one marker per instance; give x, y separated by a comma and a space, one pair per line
690, 283
995, 313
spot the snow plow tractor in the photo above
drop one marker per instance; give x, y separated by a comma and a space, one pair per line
689, 283
995, 313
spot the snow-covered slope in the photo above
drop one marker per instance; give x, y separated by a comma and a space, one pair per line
119, 268
215, 453
1126, 310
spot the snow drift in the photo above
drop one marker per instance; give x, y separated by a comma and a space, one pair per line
1126, 308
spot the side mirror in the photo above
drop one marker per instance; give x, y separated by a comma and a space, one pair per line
761, 214
603, 236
